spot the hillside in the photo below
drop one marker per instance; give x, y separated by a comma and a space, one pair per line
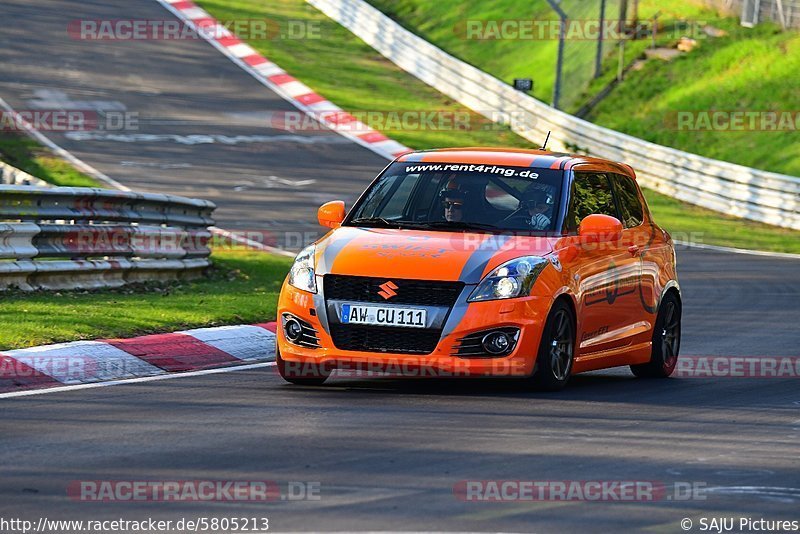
744, 71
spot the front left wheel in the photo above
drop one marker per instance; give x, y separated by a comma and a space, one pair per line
556, 350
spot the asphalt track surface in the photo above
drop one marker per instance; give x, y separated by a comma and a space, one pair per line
178, 89
386, 453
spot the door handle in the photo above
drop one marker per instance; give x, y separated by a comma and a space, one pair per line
633, 249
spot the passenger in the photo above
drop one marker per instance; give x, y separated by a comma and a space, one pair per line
535, 201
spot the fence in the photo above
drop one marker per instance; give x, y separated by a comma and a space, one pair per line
725, 187
76, 237
783, 12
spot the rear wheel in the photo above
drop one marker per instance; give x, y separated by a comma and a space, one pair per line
666, 341
302, 374
556, 350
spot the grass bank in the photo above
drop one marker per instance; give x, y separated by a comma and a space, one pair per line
751, 70
26, 154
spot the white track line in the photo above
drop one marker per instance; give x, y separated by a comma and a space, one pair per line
731, 250
250, 243
80, 164
94, 173
62, 389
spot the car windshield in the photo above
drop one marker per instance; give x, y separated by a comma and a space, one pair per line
455, 196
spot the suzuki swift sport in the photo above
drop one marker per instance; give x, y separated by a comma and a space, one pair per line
485, 262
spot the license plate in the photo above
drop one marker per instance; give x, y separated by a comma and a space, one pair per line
383, 316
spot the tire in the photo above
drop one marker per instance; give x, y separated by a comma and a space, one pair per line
556, 350
666, 341
304, 375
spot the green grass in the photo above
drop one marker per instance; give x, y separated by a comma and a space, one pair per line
701, 226
26, 154
243, 288
749, 70
444, 23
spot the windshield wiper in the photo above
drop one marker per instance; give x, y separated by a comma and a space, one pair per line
376, 221
382, 222
461, 225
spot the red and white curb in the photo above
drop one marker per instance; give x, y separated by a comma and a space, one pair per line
85, 362
281, 82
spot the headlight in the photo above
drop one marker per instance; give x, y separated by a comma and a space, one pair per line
512, 279
302, 275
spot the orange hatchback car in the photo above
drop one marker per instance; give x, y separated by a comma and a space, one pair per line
485, 262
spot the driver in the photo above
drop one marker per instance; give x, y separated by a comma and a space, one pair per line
535, 202
453, 204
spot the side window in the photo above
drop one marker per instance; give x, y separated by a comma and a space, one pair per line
591, 193
629, 203
378, 196
402, 192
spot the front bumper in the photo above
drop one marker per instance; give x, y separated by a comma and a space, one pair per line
527, 313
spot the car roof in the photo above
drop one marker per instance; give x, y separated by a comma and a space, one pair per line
517, 157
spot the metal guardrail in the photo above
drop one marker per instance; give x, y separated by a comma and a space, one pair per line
725, 187
77, 237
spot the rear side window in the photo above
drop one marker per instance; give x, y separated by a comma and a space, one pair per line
591, 193
629, 202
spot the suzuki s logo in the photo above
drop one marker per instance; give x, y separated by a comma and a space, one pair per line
388, 290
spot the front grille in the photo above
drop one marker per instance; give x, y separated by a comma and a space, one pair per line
384, 339
366, 289
388, 339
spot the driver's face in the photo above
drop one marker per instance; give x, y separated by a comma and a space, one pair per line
539, 207
453, 210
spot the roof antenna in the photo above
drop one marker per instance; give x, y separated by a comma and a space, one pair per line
544, 146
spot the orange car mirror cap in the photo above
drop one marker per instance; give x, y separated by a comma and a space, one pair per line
598, 228
331, 214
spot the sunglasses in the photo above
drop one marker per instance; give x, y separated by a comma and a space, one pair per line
452, 205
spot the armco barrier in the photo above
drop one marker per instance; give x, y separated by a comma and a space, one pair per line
77, 237
725, 187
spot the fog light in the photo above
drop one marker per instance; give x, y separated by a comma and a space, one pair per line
496, 342
293, 330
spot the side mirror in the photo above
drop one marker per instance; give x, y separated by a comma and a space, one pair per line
600, 228
331, 214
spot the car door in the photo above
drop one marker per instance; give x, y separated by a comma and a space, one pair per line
607, 272
646, 240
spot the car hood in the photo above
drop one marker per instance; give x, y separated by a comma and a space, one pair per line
421, 255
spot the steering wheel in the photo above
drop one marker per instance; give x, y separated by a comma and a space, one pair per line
518, 216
